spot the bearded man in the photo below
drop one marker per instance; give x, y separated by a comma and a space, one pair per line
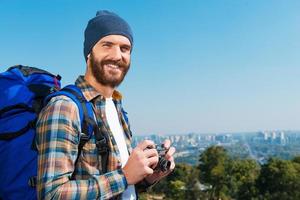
64, 172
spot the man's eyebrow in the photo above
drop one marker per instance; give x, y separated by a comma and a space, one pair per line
111, 43
107, 42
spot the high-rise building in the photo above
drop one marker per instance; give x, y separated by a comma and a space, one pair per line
273, 135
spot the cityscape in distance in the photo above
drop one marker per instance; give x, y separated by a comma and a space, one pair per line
260, 145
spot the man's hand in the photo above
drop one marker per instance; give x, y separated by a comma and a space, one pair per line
157, 175
140, 162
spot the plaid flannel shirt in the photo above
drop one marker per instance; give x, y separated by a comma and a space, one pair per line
58, 131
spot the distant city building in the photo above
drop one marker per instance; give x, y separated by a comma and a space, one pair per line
273, 135
253, 145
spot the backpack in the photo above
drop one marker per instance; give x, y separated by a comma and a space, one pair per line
23, 93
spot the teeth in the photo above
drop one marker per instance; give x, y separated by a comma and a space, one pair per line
112, 66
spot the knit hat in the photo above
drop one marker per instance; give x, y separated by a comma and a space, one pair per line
105, 23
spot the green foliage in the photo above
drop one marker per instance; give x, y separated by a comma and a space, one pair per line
177, 190
297, 159
193, 191
225, 178
180, 173
242, 176
143, 196
243, 179
182, 182
279, 179
212, 164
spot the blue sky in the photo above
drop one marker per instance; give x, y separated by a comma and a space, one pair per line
197, 66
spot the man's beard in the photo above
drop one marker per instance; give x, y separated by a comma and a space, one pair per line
105, 78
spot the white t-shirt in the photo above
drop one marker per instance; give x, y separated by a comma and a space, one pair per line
118, 133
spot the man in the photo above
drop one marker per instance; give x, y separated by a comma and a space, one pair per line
107, 50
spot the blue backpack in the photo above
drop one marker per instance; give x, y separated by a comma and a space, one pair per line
23, 93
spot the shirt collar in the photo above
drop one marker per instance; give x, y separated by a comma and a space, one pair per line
91, 93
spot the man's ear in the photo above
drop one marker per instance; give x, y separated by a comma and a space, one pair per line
88, 58
88, 62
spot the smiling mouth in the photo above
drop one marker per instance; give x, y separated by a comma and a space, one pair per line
113, 68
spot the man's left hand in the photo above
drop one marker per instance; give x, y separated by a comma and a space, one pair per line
157, 175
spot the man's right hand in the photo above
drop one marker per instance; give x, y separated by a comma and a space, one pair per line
140, 162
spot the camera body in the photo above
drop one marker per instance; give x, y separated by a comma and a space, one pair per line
163, 164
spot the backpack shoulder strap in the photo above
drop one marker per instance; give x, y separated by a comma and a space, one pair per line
88, 124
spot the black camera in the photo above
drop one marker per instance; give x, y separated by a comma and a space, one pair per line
163, 164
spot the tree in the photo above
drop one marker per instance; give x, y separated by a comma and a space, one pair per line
279, 179
193, 188
183, 180
177, 190
242, 176
296, 159
180, 173
213, 162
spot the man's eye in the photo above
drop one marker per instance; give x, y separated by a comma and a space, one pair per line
125, 49
106, 45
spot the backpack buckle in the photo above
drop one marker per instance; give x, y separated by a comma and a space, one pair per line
84, 138
102, 146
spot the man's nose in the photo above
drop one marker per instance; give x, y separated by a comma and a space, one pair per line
116, 54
